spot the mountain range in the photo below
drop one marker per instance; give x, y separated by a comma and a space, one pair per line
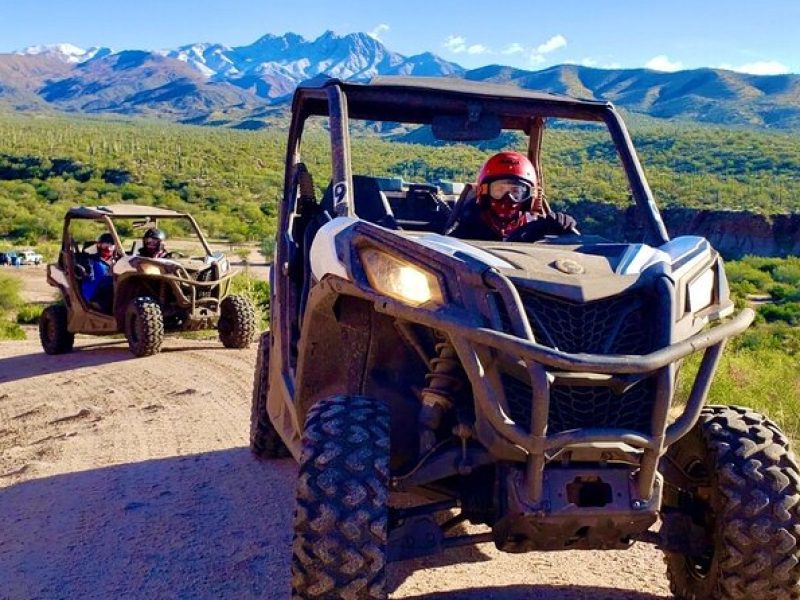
244, 85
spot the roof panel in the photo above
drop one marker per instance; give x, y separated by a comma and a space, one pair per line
121, 210
418, 99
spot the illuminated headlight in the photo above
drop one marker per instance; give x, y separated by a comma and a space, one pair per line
150, 269
701, 291
400, 279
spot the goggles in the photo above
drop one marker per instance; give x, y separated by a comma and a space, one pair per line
517, 190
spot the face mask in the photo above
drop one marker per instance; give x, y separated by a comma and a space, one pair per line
504, 216
105, 250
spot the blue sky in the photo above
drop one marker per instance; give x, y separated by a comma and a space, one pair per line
747, 36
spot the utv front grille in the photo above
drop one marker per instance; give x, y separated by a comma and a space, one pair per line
209, 274
624, 324
578, 407
618, 325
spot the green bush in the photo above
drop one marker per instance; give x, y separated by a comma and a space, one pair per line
766, 379
745, 278
788, 273
776, 336
10, 330
268, 248
781, 292
10, 288
28, 314
788, 312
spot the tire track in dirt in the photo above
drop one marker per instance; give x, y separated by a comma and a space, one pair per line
124, 477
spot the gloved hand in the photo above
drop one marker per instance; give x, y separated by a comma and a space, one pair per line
530, 232
562, 221
552, 224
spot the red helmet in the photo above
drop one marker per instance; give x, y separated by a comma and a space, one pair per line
506, 187
507, 164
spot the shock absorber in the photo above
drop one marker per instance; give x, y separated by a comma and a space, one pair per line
445, 378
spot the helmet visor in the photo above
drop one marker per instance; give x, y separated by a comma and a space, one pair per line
516, 189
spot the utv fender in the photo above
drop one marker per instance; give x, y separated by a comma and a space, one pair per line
347, 348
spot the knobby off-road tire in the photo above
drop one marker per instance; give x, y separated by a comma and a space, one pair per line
144, 326
237, 322
264, 439
340, 527
740, 462
53, 332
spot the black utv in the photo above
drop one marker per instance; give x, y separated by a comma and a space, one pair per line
526, 387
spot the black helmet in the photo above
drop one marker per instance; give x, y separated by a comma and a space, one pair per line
155, 234
106, 238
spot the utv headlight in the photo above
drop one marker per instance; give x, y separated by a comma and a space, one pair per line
400, 279
150, 269
700, 292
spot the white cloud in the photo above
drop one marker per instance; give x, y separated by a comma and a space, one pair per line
554, 43
663, 63
456, 44
592, 62
761, 67
478, 49
514, 48
378, 31
536, 59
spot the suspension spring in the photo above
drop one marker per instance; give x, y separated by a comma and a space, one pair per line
445, 378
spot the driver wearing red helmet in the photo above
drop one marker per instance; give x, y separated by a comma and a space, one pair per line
505, 208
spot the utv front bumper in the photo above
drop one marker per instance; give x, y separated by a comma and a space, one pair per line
199, 297
478, 348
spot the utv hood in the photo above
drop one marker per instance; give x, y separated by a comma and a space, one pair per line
580, 269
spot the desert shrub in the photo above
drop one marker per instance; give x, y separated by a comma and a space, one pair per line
788, 273
788, 312
765, 379
28, 314
268, 248
744, 278
781, 292
10, 330
10, 288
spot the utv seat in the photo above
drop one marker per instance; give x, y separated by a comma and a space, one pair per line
422, 208
466, 199
369, 202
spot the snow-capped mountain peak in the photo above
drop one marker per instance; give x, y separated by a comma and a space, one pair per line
65, 52
273, 65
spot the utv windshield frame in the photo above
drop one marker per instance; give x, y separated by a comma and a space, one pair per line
420, 100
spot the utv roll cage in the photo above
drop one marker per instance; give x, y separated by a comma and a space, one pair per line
423, 100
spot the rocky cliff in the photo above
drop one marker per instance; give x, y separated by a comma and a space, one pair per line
733, 233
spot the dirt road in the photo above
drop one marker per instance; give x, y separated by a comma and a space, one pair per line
124, 477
